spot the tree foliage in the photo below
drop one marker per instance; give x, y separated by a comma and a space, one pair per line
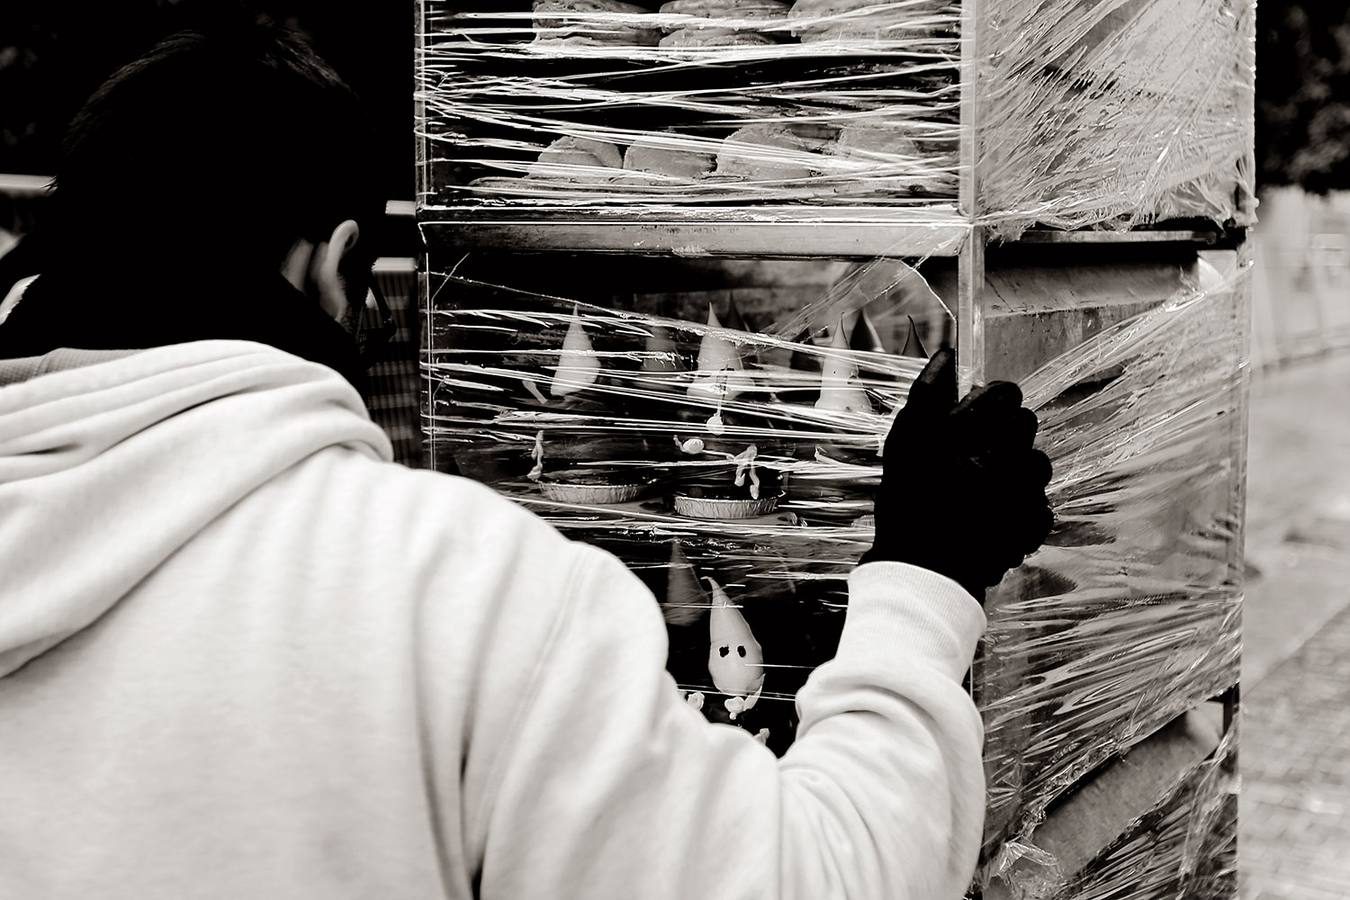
54, 53
1303, 94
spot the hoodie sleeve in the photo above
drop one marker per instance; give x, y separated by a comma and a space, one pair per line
612, 786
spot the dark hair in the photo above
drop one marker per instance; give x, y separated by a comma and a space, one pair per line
186, 178
236, 138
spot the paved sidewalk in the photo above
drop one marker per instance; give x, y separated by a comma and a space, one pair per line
1295, 742
1295, 757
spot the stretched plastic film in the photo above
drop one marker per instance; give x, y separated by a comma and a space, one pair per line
716, 424
693, 103
1114, 112
715, 421
1130, 616
1182, 845
1066, 113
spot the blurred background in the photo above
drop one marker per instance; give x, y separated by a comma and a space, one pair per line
1296, 679
53, 55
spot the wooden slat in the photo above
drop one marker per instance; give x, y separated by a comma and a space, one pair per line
970, 134
1141, 236
24, 185
1108, 801
768, 238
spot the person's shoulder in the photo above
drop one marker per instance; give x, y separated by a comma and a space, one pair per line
438, 492
430, 516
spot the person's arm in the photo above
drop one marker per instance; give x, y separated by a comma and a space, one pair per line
610, 785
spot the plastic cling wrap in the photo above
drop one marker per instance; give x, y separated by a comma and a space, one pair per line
1130, 615
1184, 844
1115, 111
692, 103
637, 329
716, 422
1066, 113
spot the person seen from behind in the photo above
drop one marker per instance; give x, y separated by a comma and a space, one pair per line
242, 654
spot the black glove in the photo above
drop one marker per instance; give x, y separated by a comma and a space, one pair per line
962, 487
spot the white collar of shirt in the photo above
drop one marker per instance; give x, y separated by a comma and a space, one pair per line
14, 296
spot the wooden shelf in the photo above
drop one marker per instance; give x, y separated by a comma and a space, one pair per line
1137, 236
865, 232
25, 185
1108, 802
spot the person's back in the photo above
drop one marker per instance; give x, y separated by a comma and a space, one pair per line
242, 654
202, 725
269, 640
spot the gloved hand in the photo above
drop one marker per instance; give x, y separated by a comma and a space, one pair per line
962, 488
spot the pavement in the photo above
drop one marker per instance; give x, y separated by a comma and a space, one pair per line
1295, 739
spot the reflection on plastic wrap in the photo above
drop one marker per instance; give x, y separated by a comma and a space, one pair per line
716, 424
1131, 615
693, 102
1115, 112
1076, 113
1185, 847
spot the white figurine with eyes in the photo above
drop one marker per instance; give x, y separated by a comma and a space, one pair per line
735, 659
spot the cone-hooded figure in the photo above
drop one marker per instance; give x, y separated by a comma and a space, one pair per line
578, 367
720, 375
735, 659
839, 388
244, 654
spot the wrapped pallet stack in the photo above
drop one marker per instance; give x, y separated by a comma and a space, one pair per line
685, 259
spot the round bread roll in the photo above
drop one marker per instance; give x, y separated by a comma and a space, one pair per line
828, 20
727, 9
574, 152
890, 158
753, 152
543, 7
567, 37
714, 37
555, 21
675, 163
883, 142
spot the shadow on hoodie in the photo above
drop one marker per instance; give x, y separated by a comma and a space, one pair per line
107, 470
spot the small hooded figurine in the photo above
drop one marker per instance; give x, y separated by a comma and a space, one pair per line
659, 360
720, 374
578, 367
864, 335
839, 390
735, 659
685, 600
913, 343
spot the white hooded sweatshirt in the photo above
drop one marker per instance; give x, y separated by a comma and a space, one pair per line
242, 656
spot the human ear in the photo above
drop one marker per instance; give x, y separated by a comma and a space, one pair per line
325, 268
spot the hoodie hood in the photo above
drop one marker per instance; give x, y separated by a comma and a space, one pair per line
111, 462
